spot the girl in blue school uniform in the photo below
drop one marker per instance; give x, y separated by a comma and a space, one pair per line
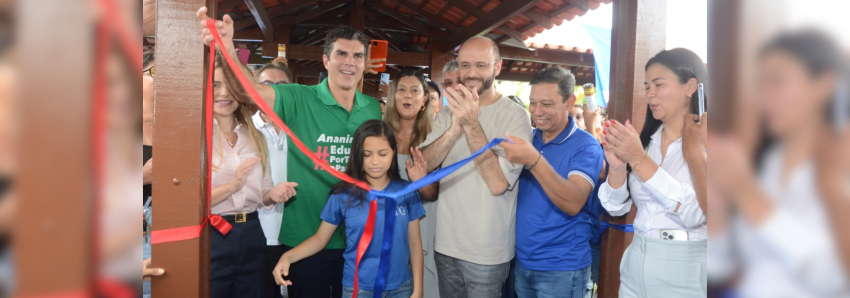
373, 159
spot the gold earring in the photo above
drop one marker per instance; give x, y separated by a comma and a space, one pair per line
423, 108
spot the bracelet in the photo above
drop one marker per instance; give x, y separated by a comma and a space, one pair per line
535, 163
634, 168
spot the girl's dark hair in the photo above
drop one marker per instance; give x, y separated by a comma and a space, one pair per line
370, 128
686, 65
147, 57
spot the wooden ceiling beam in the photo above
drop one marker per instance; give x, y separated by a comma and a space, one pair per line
261, 17
547, 56
407, 20
273, 12
538, 17
436, 19
492, 19
532, 24
229, 4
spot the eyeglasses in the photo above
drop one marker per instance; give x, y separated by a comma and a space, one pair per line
478, 66
150, 71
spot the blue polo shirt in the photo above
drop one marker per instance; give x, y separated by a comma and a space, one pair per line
547, 239
408, 208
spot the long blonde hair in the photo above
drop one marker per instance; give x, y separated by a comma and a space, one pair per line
424, 121
242, 115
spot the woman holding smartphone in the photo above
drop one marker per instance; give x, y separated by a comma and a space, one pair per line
667, 257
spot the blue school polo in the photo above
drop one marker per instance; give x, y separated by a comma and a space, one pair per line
548, 239
339, 208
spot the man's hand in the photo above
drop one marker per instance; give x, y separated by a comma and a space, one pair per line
521, 151
463, 104
224, 28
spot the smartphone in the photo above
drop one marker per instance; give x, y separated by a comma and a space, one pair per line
700, 108
378, 50
385, 83
677, 235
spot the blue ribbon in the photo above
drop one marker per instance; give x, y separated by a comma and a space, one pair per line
384, 264
390, 206
438, 174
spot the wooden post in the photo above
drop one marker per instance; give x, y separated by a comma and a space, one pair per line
59, 216
179, 187
439, 58
281, 37
358, 15
639, 32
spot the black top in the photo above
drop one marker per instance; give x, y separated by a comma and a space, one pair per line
147, 153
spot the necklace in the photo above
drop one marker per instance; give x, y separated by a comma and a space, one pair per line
402, 140
229, 142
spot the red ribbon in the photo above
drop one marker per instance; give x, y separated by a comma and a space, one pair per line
365, 239
191, 232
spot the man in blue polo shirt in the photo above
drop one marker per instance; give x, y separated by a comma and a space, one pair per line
562, 166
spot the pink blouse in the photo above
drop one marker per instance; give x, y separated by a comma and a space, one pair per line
225, 160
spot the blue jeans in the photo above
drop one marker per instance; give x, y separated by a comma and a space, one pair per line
544, 284
403, 291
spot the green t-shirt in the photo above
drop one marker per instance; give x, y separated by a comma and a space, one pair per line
327, 129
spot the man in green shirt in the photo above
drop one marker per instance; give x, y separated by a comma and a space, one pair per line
324, 117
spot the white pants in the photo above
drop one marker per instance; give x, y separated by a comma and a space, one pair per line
655, 268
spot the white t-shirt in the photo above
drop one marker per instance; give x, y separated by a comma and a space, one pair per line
472, 224
270, 219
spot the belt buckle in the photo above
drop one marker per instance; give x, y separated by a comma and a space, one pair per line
240, 217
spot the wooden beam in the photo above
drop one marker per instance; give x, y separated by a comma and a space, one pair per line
390, 23
580, 4
314, 53
399, 16
546, 56
261, 17
178, 181
327, 7
514, 76
226, 5
638, 32
55, 135
539, 18
439, 58
494, 18
270, 46
254, 35
315, 35
443, 10
436, 19
358, 15
510, 31
274, 12
386, 37
550, 15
